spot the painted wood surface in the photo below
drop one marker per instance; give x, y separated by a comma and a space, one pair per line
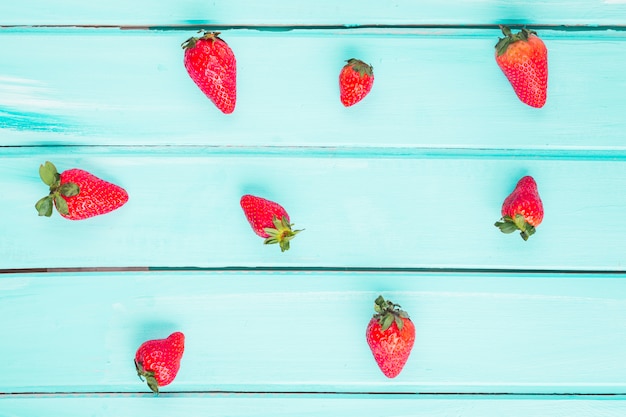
434, 88
397, 195
360, 211
305, 331
321, 12
314, 405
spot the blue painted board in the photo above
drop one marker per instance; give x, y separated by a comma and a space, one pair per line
304, 331
321, 12
358, 211
434, 88
392, 193
314, 405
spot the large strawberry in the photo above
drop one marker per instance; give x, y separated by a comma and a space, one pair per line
390, 335
212, 66
522, 210
523, 58
77, 194
158, 361
268, 220
355, 81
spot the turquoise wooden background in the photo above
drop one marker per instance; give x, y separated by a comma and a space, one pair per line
398, 196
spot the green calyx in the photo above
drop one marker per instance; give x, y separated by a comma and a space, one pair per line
510, 37
361, 67
387, 313
509, 224
281, 233
191, 42
148, 377
51, 177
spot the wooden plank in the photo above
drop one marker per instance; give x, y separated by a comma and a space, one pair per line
358, 210
321, 12
304, 331
307, 405
434, 88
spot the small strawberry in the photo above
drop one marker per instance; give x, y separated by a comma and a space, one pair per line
355, 81
158, 361
268, 220
523, 58
390, 335
522, 209
212, 66
77, 194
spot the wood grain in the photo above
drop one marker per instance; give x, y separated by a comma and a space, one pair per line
321, 12
357, 211
434, 88
315, 405
305, 331
397, 196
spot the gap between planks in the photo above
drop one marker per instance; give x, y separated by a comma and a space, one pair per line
417, 395
460, 271
286, 28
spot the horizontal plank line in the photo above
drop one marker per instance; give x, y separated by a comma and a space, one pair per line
72, 270
567, 28
201, 151
286, 28
395, 270
305, 269
512, 395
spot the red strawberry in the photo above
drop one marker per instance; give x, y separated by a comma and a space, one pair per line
77, 194
390, 335
212, 66
268, 220
158, 361
523, 58
522, 209
355, 81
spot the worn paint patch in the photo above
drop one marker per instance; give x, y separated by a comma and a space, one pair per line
16, 120
26, 105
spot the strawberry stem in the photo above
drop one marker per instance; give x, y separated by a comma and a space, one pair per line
361, 67
510, 37
191, 42
51, 177
148, 376
281, 233
387, 313
509, 225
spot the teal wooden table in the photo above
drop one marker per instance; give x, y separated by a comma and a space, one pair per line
397, 195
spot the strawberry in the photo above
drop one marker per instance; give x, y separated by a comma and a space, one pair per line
158, 361
77, 194
212, 66
268, 220
355, 81
390, 335
522, 209
523, 58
